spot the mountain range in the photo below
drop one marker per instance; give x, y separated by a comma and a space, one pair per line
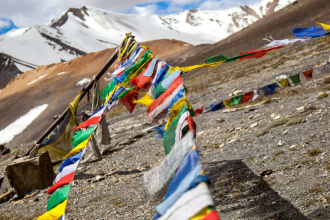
80, 31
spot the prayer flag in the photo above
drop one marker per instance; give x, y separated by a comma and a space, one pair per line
198, 111
77, 149
165, 84
284, 82
213, 215
309, 32
58, 197
217, 106
187, 171
158, 108
256, 94
227, 102
308, 74
67, 170
189, 204
271, 88
143, 80
128, 100
94, 119
81, 136
257, 53
65, 180
236, 100
55, 213
296, 79
247, 97
69, 161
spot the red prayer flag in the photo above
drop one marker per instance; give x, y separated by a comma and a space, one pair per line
247, 97
308, 74
198, 111
65, 180
258, 53
128, 99
213, 215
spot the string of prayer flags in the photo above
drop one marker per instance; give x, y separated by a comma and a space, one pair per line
222, 57
143, 80
190, 203
308, 74
55, 213
296, 79
217, 106
284, 82
58, 197
77, 149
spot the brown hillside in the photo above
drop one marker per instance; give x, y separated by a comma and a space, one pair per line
17, 98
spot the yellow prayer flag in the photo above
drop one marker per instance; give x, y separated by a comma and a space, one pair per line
55, 213
325, 26
284, 82
78, 149
145, 100
200, 215
227, 102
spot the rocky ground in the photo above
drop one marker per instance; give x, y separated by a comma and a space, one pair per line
267, 161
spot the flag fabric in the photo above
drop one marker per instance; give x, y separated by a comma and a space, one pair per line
271, 88
198, 111
158, 108
247, 97
143, 79
296, 79
257, 53
81, 136
284, 82
77, 149
188, 167
65, 180
213, 215
227, 102
94, 119
256, 94
308, 74
55, 213
217, 106
315, 31
165, 84
128, 100
236, 100
189, 204
58, 197
69, 161
67, 170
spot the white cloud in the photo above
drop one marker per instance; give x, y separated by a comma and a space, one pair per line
4, 24
222, 5
143, 10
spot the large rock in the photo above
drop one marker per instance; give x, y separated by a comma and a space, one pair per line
27, 174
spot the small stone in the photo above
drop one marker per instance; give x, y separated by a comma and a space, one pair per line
301, 109
220, 120
280, 143
266, 172
250, 117
293, 146
254, 125
312, 135
277, 117
285, 132
216, 146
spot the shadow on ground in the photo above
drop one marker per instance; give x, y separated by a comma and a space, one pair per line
241, 194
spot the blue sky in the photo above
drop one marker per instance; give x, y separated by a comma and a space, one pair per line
27, 13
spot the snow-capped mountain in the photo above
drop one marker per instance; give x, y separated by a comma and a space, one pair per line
80, 31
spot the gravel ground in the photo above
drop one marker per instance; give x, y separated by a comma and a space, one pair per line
259, 169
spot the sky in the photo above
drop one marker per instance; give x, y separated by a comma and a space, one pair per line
27, 13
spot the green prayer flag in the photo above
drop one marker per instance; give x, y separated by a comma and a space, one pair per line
236, 100
81, 136
104, 92
296, 79
58, 197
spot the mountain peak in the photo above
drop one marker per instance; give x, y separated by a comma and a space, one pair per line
78, 12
